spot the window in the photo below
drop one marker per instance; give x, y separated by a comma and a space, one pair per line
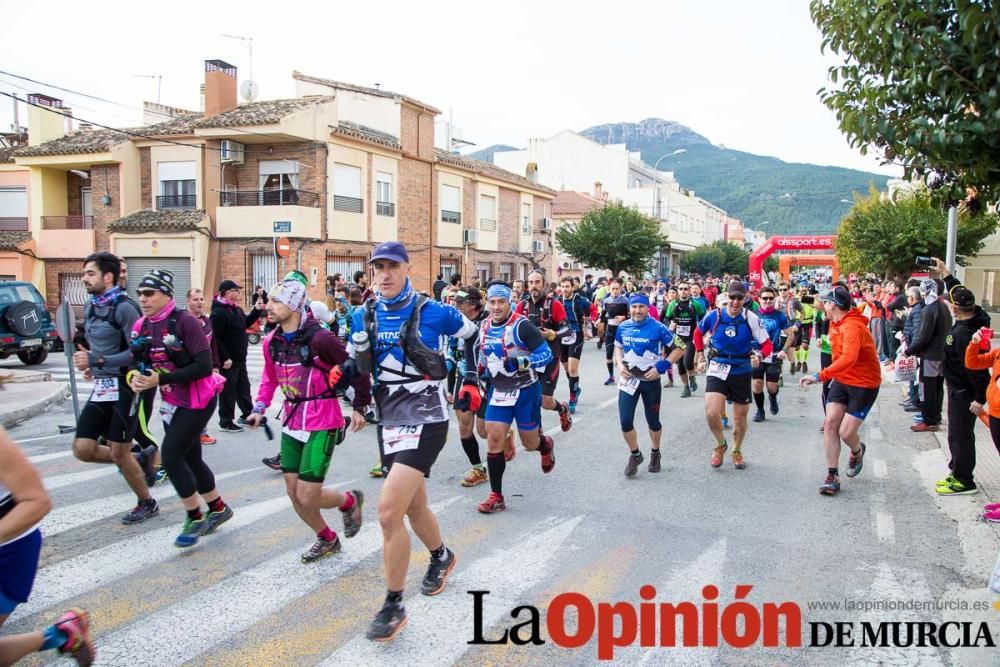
448, 269
506, 271
451, 204
525, 218
345, 265
14, 209
384, 201
278, 182
484, 271
177, 185
347, 188
487, 213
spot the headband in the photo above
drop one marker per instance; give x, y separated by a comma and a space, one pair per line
499, 290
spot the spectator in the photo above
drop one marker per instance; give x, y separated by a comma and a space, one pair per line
229, 324
361, 280
439, 286
935, 323
915, 309
259, 299
895, 317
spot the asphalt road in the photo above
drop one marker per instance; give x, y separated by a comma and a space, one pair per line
242, 597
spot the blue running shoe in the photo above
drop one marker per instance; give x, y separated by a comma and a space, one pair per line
191, 531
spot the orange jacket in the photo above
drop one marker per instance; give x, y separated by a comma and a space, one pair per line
855, 362
978, 361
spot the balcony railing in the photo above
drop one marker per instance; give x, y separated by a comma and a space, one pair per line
176, 201
451, 216
350, 204
268, 198
487, 225
385, 208
13, 224
67, 222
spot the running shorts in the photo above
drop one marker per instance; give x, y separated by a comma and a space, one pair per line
805, 333
310, 459
18, 566
572, 351
736, 388
108, 419
422, 456
527, 410
549, 377
769, 369
859, 400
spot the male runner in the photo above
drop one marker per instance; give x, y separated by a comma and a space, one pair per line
804, 334
792, 307
546, 313
779, 329
614, 311
298, 358
682, 316
512, 351
637, 354
111, 413
406, 360
730, 334
577, 309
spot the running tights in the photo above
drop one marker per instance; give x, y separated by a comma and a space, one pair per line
649, 391
181, 451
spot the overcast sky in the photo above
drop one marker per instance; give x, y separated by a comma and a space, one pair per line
743, 74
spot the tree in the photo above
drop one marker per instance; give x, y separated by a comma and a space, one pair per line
885, 236
920, 83
616, 237
703, 260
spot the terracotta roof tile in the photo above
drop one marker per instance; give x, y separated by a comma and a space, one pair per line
364, 133
378, 92
10, 240
487, 169
180, 125
147, 220
260, 113
7, 153
569, 202
78, 143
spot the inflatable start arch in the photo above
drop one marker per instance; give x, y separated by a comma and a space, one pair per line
775, 243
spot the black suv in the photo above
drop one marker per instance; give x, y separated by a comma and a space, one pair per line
26, 328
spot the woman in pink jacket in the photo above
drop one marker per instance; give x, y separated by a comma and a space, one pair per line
299, 356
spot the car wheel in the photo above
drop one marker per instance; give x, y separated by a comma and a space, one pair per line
33, 357
253, 338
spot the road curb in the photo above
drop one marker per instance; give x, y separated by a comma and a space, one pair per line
58, 392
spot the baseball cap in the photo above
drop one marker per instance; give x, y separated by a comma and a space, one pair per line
468, 293
838, 296
227, 285
962, 297
394, 251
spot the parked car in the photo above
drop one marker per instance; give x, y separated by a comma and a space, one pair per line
26, 328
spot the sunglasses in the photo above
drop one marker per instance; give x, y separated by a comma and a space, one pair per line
735, 297
146, 292
767, 298
782, 290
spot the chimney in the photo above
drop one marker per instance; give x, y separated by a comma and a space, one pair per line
531, 172
220, 87
46, 119
597, 190
201, 91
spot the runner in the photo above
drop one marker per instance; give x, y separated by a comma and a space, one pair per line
397, 337
23, 504
512, 350
682, 316
196, 306
577, 309
822, 328
792, 307
111, 412
855, 376
730, 334
637, 354
614, 311
780, 330
172, 353
298, 358
546, 312
804, 335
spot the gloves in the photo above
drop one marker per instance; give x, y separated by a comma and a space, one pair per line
469, 397
514, 364
662, 366
340, 376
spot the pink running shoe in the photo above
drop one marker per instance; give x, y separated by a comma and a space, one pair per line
76, 624
992, 517
992, 507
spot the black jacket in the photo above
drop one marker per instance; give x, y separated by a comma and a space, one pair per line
229, 327
955, 372
935, 323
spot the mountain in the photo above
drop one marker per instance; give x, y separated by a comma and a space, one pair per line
793, 198
486, 154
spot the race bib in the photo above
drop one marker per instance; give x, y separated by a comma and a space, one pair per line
105, 390
301, 436
503, 399
717, 370
628, 385
569, 339
167, 411
684, 330
400, 438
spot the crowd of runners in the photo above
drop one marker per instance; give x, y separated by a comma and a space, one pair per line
405, 361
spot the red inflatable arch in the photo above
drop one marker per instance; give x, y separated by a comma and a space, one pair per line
775, 243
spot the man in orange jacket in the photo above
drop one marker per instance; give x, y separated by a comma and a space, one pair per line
855, 376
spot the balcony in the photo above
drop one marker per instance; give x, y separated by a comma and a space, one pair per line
13, 224
386, 208
56, 222
269, 198
164, 202
487, 225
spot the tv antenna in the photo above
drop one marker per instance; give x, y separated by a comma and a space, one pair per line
249, 90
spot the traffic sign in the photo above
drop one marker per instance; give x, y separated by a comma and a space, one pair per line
65, 323
282, 246
282, 226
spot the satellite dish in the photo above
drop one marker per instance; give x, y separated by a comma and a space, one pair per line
249, 90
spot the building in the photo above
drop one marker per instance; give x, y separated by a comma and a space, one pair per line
569, 207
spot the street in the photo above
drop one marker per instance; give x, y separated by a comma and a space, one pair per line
242, 596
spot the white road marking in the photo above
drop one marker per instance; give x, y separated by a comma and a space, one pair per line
170, 637
576, 420
41, 458
880, 469
885, 527
438, 629
96, 472
874, 433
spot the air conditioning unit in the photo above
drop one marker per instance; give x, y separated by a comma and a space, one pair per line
546, 224
537, 246
470, 236
232, 152
565, 265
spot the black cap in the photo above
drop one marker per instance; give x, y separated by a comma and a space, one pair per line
736, 287
227, 285
838, 296
962, 297
158, 279
469, 293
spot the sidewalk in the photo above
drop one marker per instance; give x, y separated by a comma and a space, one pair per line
27, 394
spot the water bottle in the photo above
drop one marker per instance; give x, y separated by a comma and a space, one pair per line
362, 351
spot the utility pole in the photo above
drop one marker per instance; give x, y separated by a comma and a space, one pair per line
952, 241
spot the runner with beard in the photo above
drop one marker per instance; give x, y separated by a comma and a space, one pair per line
614, 311
682, 316
779, 330
545, 312
577, 309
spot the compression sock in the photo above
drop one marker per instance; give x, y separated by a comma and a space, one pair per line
471, 447
759, 400
496, 464
195, 514
574, 385
327, 535
611, 369
216, 505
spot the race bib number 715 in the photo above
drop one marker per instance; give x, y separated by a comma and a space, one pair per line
400, 438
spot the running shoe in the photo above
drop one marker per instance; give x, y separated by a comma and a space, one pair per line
725, 423
378, 471
437, 574
738, 461
669, 383
694, 384
759, 416
321, 548
387, 623
856, 462
609, 382
632, 467
654, 461
549, 460
957, 488
161, 476
794, 367
992, 517
572, 404
75, 625
509, 451
352, 517
493, 503
216, 519
475, 476
805, 367
206, 439
565, 419
912, 407
230, 427
274, 462
992, 507
144, 509
717, 455
831, 486
774, 404
948, 480
242, 421
686, 391
924, 427
191, 531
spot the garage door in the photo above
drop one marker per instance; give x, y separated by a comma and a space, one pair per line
179, 266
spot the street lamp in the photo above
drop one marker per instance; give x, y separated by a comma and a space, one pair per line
679, 151
759, 225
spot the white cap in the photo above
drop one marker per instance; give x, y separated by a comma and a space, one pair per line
321, 312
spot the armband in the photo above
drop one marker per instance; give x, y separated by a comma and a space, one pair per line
679, 343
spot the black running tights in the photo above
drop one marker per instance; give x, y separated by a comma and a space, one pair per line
181, 451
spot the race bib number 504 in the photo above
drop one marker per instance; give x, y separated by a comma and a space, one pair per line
400, 438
